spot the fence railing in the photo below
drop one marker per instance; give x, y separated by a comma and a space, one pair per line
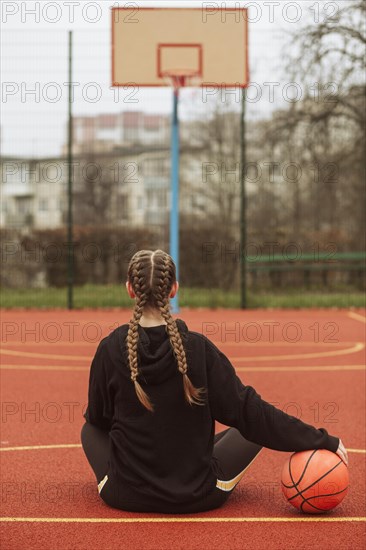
321, 264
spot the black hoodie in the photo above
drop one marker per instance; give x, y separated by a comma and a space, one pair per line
162, 460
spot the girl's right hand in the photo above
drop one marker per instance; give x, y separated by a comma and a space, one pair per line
342, 452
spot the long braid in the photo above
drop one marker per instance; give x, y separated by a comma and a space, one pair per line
139, 286
152, 275
193, 395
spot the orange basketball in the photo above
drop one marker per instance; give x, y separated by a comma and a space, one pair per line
314, 481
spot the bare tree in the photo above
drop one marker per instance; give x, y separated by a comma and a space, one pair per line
325, 132
95, 187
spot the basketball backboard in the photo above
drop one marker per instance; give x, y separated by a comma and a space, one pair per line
206, 46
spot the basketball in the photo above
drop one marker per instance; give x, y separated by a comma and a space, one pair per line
314, 481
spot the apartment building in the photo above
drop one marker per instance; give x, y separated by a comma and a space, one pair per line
102, 133
32, 192
120, 175
126, 186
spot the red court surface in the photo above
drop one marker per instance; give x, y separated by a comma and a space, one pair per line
310, 363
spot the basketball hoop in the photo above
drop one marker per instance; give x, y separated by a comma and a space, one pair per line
178, 47
179, 78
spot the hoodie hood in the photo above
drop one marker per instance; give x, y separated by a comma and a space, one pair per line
155, 353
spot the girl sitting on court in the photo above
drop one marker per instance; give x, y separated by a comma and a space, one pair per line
155, 391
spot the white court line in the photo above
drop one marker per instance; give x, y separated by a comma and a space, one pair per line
356, 316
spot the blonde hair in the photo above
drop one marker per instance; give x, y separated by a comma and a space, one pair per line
152, 275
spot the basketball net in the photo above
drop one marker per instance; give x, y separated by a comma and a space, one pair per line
179, 78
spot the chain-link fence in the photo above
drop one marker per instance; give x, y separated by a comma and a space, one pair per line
303, 173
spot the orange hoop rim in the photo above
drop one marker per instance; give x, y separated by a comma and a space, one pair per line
179, 76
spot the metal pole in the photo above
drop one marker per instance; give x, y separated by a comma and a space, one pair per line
70, 259
243, 221
174, 209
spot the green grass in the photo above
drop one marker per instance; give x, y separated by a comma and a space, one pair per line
99, 296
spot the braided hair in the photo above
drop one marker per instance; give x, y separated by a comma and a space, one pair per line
152, 275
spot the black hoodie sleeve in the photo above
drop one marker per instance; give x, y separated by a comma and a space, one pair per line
239, 406
100, 408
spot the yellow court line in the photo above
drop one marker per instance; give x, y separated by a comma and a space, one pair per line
50, 344
280, 344
354, 349
219, 343
358, 347
356, 316
287, 368
44, 367
304, 368
44, 355
76, 343
42, 447
322, 519
78, 446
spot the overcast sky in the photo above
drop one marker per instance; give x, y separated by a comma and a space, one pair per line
34, 57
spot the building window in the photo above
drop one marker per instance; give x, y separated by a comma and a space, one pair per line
161, 199
156, 166
122, 207
43, 205
198, 202
23, 206
150, 198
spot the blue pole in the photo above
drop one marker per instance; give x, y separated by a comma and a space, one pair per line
174, 209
